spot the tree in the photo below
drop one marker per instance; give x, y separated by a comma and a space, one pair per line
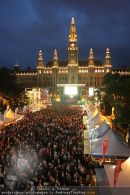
117, 94
9, 88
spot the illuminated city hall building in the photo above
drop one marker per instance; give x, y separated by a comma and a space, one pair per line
56, 76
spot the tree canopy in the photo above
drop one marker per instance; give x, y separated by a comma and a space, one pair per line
9, 89
117, 94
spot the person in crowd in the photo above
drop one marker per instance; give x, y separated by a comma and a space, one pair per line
46, 147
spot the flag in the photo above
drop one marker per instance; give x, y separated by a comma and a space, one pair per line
104, 147
117, 171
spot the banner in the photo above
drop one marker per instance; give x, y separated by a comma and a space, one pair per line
117, 171
104, 147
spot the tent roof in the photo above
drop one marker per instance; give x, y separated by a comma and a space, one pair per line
96, 120
96, 117
92, 111
91, 108
92, 114
123, 177
100, 131
9, 114
116, 146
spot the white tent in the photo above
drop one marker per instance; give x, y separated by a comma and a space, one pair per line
91, 107
86, 142
123, 179
99, 131
92, 111
88, 106
116, 146
9, 115
97, 120
92, 114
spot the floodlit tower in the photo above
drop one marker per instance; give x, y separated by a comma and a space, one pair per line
72, 45
55, 67
16, 66
55, 59
91, 58
108, 64
40, 64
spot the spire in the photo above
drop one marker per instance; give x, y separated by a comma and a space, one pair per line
40, 60
91, 58
55, 59
40, 56
107, 53
108, 59
16, 66
55, 55
40, 64
72, 45
72, 20
73, 34
17, 63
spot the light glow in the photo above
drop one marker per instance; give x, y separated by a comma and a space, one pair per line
21, 164
91, 91
70, 91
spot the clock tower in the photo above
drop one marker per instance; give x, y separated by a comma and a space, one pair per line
72, 55
72, 45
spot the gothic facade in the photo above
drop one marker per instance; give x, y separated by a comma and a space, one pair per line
73, 71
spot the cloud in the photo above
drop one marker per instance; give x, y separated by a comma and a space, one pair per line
27, 26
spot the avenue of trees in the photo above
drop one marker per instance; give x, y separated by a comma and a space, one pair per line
116, 94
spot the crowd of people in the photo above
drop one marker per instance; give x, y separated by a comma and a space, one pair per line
46, 149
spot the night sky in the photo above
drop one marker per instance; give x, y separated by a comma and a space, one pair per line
26, 26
